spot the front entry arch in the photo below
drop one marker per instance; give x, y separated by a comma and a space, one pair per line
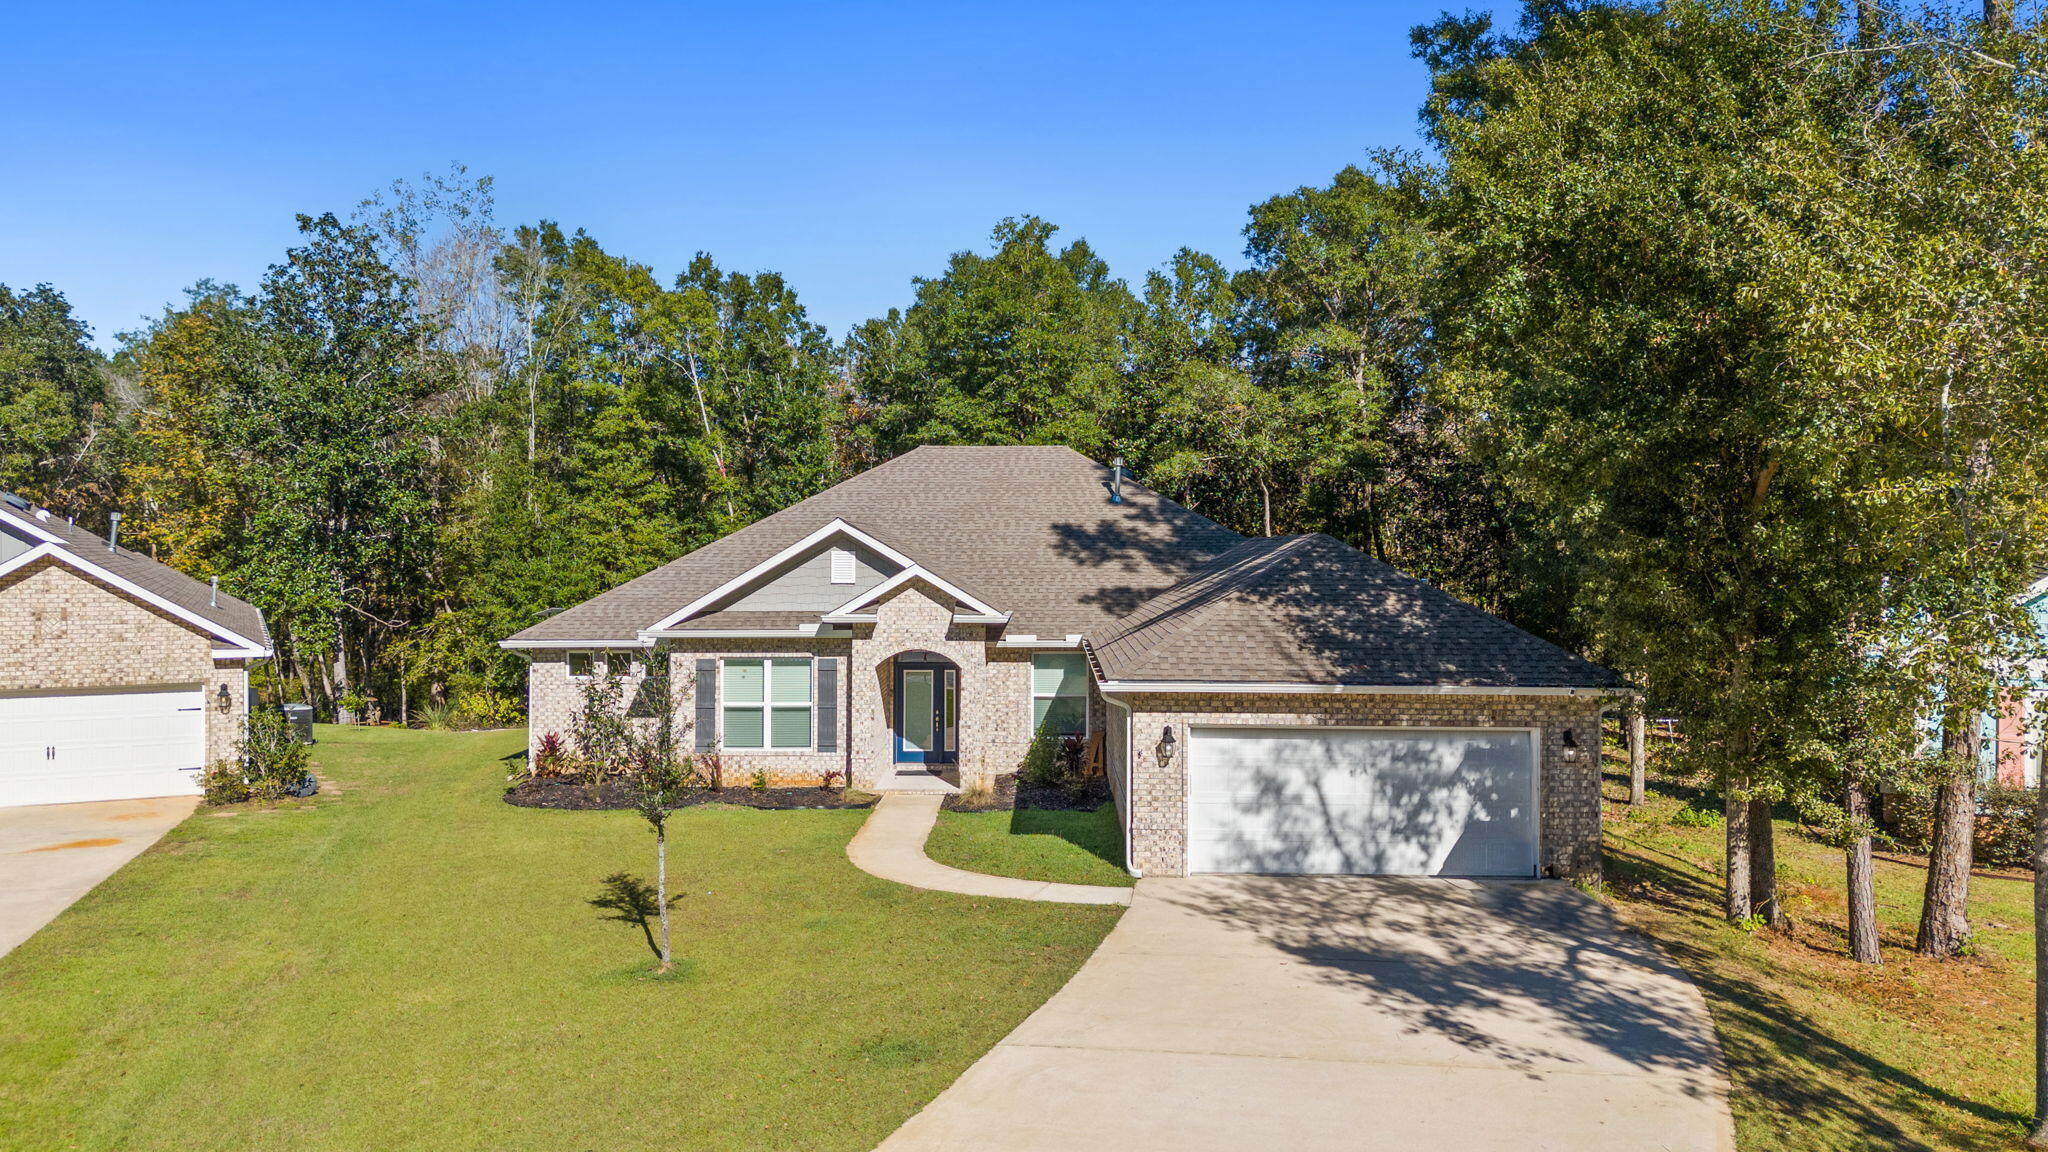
926, 720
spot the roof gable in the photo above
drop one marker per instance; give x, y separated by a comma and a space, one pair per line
1313, 610
236, 621
1027, 530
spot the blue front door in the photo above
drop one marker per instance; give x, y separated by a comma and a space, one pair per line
927, 713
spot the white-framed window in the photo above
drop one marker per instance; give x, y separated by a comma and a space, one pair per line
766, 702
582, 665
1059, 693
842, 566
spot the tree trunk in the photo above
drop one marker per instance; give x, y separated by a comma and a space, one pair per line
1735, 810
1863, 944
1763, 862
661, 888
2039, 1137
1944, 909
339, 677
1638, 756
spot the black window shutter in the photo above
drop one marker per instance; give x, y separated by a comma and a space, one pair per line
828, 704
707, 704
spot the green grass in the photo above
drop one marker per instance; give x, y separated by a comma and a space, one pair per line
408, 962
1828, 1055
1063, 847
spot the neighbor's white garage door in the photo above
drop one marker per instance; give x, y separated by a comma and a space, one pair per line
1396, 802
101, 746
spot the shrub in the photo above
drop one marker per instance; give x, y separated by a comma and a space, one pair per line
1692, 817
760, 781
273, 760
270, 764
978, 793
221, 783
1056, 762
1041, 767
552, 759
436, 717
829, 778
707, 770
485, 709
2005, 823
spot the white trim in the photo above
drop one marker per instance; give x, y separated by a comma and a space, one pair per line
800, 632
980, 618
245, 646
976, 607
1129, 797
1261, 688
518, 644
1187, 773
29, 526
835, 528
1027, 640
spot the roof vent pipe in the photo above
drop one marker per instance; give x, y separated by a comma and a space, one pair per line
215, 601
1116, 481
113, 530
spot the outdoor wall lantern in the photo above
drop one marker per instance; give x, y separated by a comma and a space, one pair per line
1166, 742
1571, 746
226, 701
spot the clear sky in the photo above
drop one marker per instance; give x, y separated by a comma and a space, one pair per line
848, 146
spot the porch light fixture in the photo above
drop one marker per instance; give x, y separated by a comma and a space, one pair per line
1165, 747
1571, 746
224, 699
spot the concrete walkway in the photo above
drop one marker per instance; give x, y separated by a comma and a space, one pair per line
1324, 1013
891, 845
51, 854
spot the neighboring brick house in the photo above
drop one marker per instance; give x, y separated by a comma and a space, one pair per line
120, 677
2012, 739
1262, 705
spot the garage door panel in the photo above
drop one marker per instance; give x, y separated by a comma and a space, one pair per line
1362, 802
61, 749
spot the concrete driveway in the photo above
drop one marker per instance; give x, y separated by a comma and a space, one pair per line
1238, 1012
51, 854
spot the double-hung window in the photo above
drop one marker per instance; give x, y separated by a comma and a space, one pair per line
767, 703
1059, 694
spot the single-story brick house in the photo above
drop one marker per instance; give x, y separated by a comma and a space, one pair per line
1266, 705
120, 677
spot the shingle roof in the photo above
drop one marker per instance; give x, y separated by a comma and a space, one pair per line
1028, 529
1313, 610
194, 596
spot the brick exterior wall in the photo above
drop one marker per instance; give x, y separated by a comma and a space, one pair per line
1569, 791
65, 630
994, 687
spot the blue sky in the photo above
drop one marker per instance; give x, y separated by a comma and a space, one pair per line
850, 147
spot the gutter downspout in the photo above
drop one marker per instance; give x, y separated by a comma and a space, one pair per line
1130, 775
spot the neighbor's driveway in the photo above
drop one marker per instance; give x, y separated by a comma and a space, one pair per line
51, 854
1247, 1012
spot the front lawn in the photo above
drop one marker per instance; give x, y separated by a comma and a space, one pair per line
1826, 1054
408, 962
1034, 844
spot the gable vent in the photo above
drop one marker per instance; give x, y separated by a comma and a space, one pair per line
842, 566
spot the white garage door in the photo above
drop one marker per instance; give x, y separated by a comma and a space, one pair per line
1396, 802
101, 746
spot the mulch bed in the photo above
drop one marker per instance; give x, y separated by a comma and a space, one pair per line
605, 797
1010, 794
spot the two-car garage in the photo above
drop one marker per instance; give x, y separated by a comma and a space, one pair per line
1363, 801
66, 747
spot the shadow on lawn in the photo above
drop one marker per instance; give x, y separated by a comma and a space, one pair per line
1781, 1054
1097, 833
630, 900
